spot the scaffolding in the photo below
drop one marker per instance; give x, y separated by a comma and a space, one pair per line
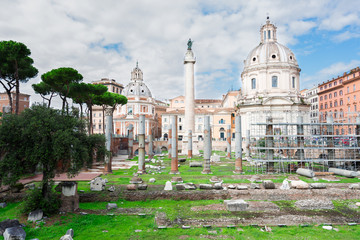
278, 147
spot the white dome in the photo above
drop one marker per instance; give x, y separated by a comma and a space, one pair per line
270, 53
137, 87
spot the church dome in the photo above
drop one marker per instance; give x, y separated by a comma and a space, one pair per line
137, 87
269, 51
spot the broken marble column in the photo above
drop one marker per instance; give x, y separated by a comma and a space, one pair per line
207, 146
130, 141
151, 148
108, 136
228, 141
169, 140
69, 197
300, 140
330, 140
238, 145
269, 144
141, 162
190, 143
247, 148
174, 146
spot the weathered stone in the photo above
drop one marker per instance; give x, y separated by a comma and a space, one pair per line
255, 186
305, 172
312, 204
111, 189
131, 187
30, 186
218, 186
8, 223
136, 179
66, 237
205, 186
190, 186
142, 186
231, 186
215, 179
242, 187
70, 232
97, 184
35, 215
285, 185
168, 186
3, 205
152, 180
177, 180
14, 233
299, 185
215, 158
110, 206
268, 184
255, 178
327, 227
236, 205
195, 164
180, 186
105, 180
317, 185
354, 186
69, 197
182, 160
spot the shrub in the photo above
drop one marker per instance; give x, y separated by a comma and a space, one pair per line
35, 200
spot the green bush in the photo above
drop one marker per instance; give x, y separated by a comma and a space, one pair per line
49, 205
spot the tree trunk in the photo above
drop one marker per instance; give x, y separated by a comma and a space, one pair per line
103, 114
10, 100
17, 87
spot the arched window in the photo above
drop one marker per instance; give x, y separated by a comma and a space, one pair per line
341, 93
222, 121
274, 81
293, 81
253, 83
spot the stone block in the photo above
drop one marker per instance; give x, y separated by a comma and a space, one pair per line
354, 186
317, 185
190, 186
3, 205
70, 232
242, 187
231, 186
255, 186
218, 186
205, 186
215, 158
215, 179
255, 178
35, 215
142, 186
236, 205
111, 189
131, 187
180, 186
299, 185
152, 180
110, 206
285, 185
136, 179
195, 164
97, 184
182, 159
168, 186
177, 180
8, 223
66, 237
14, 233
69, 197
268, 184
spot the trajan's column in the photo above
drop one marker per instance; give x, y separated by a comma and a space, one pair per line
189, 62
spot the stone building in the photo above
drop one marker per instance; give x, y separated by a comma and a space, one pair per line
97, 111
140, 102
311, 98
221, 112
24, 101
339, 97
270, 83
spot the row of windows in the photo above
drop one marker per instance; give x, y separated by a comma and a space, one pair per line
335, 83
274, 82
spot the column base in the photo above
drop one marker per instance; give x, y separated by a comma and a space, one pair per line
174, 172
206, 172
238, 172
141, 172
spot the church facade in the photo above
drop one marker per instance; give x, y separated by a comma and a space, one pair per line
270, 83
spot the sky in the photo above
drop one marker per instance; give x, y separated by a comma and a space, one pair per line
105, 39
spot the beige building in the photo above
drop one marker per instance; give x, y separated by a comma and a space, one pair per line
221, 112
97, 111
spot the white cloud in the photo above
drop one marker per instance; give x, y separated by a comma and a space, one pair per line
73, 33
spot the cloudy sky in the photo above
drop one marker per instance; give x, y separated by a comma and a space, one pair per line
106, 38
